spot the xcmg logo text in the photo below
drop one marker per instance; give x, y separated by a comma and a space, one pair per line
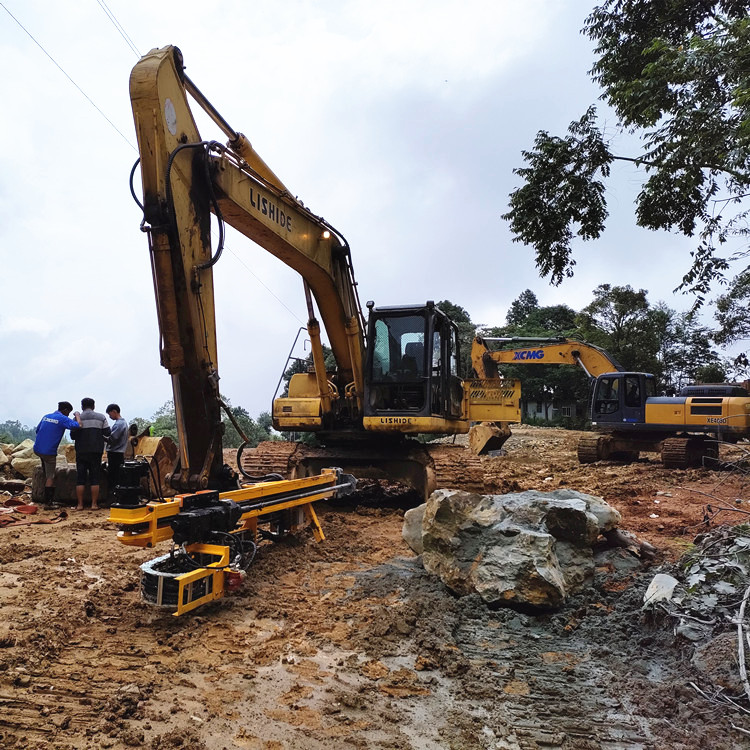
537, 354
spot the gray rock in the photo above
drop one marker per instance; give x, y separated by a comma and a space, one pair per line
527, 548
25, 465
412, 529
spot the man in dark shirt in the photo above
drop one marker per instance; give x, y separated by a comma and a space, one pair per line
89, 440
49, 433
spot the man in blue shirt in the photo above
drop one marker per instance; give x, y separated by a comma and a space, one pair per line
49, 433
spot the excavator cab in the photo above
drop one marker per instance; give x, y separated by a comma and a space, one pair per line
411, 371
620, 398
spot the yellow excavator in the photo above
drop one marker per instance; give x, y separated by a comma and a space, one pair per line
396, 372
626, 412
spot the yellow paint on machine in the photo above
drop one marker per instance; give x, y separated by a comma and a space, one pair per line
724, 413
673, 413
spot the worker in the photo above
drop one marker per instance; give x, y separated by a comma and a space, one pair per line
116, 444
49, 433
89, 440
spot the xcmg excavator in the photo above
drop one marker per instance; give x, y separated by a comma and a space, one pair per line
626, 411
396, 371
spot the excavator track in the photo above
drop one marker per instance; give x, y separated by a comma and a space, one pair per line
683, 452
457, 468
589, 449
269, 457
676, 453
424, 467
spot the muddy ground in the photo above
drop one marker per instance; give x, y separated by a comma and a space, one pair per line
349, 643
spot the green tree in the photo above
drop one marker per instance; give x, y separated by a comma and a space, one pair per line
521, 308
677, 75
252, 429
686, 353
164, 422
620, 320
12, 431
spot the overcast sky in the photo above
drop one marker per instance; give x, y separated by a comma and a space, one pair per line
399, 122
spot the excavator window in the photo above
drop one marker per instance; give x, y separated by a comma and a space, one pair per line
607, 399
398, 364
414, 364
632, 390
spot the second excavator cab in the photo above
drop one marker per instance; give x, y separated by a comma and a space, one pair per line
620, 398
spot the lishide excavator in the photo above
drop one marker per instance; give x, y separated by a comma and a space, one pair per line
396, 372
626, 412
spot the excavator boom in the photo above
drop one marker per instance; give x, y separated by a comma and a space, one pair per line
592, 359
185, 179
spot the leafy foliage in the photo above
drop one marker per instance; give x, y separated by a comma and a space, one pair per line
12, 431
255, 431
677, 74
621, 321
563, 195
164, 423
521, 308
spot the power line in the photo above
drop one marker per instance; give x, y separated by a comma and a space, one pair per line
132, 46
119, 27
59, 67
257, 278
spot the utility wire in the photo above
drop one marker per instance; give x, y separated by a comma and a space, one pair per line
59, 67
260, 281
132, 46
119, 27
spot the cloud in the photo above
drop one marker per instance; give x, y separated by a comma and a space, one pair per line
399, 122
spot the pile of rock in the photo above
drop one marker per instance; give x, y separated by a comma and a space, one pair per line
20, 466
528, 549
20, 461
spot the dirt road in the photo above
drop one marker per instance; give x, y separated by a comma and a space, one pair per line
349, 643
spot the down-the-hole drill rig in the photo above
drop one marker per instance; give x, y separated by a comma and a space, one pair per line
214, 534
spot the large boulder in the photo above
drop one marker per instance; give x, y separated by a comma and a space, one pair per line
24, 449
529, 549
25, 465
65, 483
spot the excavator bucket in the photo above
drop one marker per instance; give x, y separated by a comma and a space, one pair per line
488, 436
161, 453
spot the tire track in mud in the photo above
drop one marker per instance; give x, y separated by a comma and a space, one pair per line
518, 682
552, 694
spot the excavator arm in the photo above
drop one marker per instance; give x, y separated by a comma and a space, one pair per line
185, 179
593, 360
